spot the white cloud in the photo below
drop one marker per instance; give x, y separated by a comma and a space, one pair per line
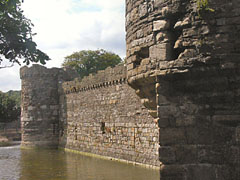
9, 79
66, 26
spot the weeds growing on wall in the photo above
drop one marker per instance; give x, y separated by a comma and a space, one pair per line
203, 6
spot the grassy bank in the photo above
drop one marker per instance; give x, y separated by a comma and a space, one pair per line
3, 144
4, 141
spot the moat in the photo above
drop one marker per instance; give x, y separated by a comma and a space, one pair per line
19, 164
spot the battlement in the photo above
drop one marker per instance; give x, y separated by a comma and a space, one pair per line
38, 71
98, 114
104, 78
182, 62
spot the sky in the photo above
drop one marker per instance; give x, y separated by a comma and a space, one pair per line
67, 26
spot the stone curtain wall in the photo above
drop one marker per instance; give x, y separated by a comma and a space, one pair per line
99, 114
102, 115
183, 60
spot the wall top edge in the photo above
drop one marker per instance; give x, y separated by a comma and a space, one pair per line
109, 76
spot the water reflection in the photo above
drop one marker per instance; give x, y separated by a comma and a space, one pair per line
16, 164
43, 165
9, 163
88, 168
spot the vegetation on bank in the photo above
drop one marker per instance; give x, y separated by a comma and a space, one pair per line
4, 144
10, 106
4, 141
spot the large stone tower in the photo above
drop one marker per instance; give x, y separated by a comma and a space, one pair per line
183, 61
40, 105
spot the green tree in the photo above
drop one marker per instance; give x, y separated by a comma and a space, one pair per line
16, 96
86, 62
9, 108
16, 42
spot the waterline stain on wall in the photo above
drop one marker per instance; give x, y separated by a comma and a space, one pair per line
99, 114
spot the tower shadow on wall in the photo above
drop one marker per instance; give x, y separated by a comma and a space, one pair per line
65, 76
203, 119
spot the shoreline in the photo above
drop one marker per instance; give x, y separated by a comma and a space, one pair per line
4, 144
9, 143
4, 141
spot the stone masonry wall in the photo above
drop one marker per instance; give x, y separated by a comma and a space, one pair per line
98, 114
183, 61
102, 115
40, 105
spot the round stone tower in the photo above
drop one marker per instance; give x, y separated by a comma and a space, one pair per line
40, 98
183, 61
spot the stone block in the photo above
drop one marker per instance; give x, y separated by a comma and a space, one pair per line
43, 106
185, 120
30, 108
164, 65
130, 66
202, 171
160, 25
186, 154
145, 61
173, 172
188, 53
228, 120
238, 135
172, 136
159, 2
143, 10
221, 21
164, 37
168, 111
161, 52
163, 122
232, 155
167, 155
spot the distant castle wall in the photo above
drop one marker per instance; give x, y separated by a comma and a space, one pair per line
99, 114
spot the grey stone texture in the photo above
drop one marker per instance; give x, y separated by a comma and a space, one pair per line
40, 105
183, 62
187, 74
98, 114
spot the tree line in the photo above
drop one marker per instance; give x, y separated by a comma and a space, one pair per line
17, 46
10, 106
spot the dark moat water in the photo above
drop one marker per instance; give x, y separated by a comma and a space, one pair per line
17, 164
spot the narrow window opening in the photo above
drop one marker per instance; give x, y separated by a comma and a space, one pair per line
75, 133
103, 127
54, 128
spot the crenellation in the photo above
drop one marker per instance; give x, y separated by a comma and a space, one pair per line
98, 114
101, 79
174, 104
109, 120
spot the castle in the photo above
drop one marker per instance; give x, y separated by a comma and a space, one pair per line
99, 114
182, 112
